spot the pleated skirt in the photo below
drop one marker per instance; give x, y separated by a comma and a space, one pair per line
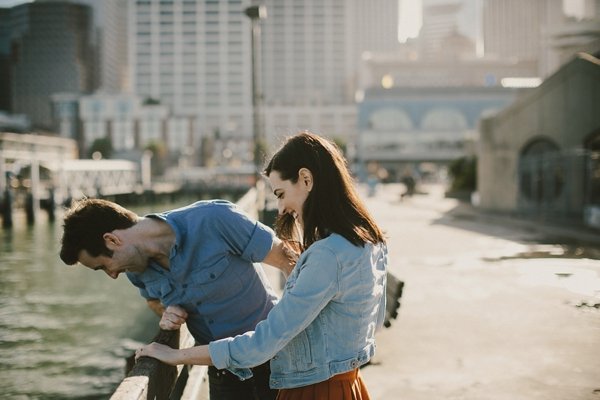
346, 386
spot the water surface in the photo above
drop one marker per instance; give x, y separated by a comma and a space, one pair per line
64, 330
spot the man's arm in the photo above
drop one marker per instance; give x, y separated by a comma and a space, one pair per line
156, 306
281, 256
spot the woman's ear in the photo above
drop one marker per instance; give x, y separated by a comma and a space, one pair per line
306, 177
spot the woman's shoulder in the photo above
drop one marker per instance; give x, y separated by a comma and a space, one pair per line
334, 244
338, 244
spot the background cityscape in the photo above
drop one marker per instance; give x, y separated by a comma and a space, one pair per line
402, 86
151, 103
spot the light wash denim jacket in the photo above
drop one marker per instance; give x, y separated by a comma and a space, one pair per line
325, 322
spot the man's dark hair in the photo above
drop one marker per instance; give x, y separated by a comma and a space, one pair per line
86, 222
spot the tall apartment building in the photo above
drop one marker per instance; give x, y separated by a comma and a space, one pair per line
311, 48
521, 30
195, 57
4, 59
311, 51
306, 54
591, 9
51, 51
110, 40
440, 20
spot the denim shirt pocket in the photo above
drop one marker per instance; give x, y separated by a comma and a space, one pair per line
204, 279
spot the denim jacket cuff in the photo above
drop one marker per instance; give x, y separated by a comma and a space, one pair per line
219, 354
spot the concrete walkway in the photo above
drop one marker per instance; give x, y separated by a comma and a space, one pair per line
489, 311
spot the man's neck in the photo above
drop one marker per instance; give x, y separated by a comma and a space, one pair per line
158, 240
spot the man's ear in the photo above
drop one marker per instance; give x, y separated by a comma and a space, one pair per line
306, 177
111, 240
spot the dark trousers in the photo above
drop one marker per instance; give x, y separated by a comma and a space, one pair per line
224, 385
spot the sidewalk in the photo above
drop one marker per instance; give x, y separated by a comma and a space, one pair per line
490, 310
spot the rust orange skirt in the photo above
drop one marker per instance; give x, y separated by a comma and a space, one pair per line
346, 386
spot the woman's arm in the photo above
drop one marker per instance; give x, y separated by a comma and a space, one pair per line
197, 355
304, 298
313, 289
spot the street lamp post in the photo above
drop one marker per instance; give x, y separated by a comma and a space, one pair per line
256, 13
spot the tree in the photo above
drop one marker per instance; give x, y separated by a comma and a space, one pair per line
159, 157
463, 172
102, 146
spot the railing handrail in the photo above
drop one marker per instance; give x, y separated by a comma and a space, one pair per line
148, 378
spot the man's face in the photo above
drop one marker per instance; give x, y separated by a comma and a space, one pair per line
125, 258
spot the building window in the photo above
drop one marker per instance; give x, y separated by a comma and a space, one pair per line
444, 119
390, 119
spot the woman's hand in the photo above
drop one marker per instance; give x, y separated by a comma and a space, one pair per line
160, 352
172, 318
197, 355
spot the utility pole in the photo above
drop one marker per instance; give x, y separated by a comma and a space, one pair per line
256, 13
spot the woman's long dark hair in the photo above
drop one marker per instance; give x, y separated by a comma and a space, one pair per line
333, 204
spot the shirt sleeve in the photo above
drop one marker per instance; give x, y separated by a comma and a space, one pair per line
137, 282
244, 236
315, 286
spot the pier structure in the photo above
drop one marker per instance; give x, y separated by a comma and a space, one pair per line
40, 171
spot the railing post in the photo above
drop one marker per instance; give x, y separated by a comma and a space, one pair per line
149, 378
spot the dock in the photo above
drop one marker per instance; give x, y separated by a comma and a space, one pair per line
494, 307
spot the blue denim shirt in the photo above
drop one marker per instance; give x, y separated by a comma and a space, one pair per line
324, 323
211, 272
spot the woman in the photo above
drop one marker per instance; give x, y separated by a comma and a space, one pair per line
322, 329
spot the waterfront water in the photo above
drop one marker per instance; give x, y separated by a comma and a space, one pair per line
64, 330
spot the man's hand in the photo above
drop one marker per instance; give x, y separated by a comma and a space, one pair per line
172, 318
282, 256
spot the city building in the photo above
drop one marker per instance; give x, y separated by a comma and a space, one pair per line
392, 70
110, 40
521, 30
575, 36
539, 157
51, 51
133, 124
194, 57
310, 57
440, 20
14, 123
4, 59
423, 129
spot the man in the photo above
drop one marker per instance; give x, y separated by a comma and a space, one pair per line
193, 264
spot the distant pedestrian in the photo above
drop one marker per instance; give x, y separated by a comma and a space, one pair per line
322, 330
194, 264
409, 184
